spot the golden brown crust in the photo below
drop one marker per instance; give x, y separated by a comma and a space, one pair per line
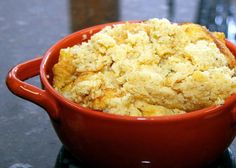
223, 48
220, 36
198, 32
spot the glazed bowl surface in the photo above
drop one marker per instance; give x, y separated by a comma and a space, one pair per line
99, 139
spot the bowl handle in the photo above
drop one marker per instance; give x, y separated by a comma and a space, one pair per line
232, 47
15, 82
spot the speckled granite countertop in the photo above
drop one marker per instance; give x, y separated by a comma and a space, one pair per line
28, 29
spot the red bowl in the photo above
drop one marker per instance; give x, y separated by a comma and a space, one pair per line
99, 139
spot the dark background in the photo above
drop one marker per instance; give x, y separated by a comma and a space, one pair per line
29, 27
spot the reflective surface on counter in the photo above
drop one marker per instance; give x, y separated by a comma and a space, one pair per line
29, 28
66, 160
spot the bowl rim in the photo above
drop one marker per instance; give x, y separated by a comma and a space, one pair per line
202, 113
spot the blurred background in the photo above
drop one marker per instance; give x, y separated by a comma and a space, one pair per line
29, 28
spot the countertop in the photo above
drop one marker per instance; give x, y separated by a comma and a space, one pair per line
28, 29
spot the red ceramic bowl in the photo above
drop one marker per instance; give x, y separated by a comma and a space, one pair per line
104, 140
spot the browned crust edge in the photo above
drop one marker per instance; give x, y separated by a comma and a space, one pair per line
221, 45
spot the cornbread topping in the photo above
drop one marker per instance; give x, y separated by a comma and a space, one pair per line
151, 68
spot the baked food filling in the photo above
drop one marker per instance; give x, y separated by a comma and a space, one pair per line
151, 68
